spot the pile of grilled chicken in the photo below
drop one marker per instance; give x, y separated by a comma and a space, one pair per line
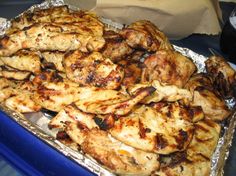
125, 98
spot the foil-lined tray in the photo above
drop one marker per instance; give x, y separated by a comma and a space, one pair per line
36, 123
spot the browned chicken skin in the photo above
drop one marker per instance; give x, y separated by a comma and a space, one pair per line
223, 75
49, 37
207, 97
168, 67
145, 35
116, 47
93, 70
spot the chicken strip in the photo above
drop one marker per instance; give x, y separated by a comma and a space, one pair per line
145, 35
223, 75
196, 161
6, 89
119, 106
116, 47
204, 95
163, 132
93, 70
48, 37
23, 60
55, 58
10, 73
169, 67
38, 15
163, 92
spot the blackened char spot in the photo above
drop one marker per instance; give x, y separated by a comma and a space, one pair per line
62, 135
101, 123
181, 139
160, 141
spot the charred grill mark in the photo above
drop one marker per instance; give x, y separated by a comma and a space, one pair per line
161, 142
142, 130
103, 124
200, 127
181, 139
62, 135
90, 78
82, 126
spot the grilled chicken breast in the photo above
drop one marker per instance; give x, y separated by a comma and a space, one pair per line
93, 70
145, 35
116, 106
196, 161
207, 97
49, 37
223, 75
23, 60
169, 67
165, 131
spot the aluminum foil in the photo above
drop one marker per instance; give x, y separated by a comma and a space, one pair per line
36, 123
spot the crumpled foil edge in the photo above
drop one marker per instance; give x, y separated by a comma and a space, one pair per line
218, 159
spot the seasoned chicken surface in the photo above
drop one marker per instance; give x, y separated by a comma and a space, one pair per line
55, 58
168, 93
116, 47
49, 37
196, 161
165, 131
6, 89
77, 21
132, 72
204, 95
116, 106
38, 15
10, 73
145, 35
23, 60
93, 70
169, 67
223, 75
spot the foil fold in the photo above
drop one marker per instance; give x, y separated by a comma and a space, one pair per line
36, 123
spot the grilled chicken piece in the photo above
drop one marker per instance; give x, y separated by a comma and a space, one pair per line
23, 60
204, 95
145, 35
22, 103
71, 114
93, 70
56, 95
76, 21
169, 67
38, 15
223, 75
6, 89
196, 161
114, 155
165, 131
168, 93
55, 58
116, 47
49, 37
116, 106
17, 96
10, 73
